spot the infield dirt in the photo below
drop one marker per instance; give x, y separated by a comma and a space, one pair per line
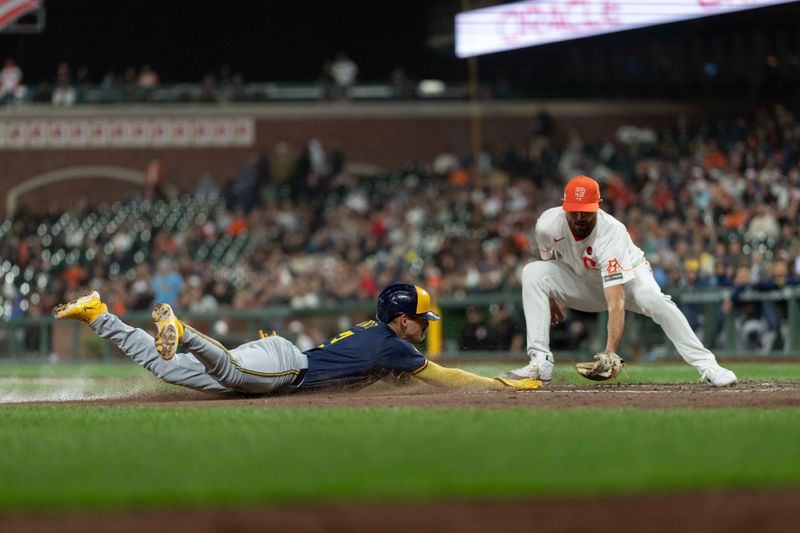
639, 396
729, 512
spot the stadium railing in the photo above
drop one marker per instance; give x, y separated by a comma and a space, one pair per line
741, 333
178, 93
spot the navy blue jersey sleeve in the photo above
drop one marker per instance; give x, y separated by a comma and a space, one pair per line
401, 356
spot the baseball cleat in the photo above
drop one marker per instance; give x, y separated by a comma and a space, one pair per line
170, 331
718, 376
540, 367
85, 308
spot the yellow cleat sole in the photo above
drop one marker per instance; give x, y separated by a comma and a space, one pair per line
167, 337
85, 308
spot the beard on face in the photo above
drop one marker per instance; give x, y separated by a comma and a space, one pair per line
581, 228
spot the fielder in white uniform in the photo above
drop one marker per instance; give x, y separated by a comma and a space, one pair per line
590, 263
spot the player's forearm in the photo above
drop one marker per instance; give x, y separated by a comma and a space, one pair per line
454, 378
615, 297
616, 326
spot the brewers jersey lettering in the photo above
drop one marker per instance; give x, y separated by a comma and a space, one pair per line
607, 254
362, 355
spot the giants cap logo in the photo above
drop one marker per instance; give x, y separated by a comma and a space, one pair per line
582, 193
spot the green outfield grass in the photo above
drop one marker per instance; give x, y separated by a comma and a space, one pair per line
93, 456
105, 456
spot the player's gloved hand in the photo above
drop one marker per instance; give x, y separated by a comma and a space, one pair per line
606, 365
521, 384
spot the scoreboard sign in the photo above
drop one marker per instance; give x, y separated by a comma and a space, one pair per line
537, 22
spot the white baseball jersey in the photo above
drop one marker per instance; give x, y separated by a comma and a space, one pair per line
607, 255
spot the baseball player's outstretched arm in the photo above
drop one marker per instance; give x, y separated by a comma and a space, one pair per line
615, 297
454, 378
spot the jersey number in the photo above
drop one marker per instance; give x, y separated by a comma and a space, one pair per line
337, 338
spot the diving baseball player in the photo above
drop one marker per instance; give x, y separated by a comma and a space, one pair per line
355, 358
590, 263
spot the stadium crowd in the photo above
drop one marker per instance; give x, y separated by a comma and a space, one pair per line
70, 85
712, 205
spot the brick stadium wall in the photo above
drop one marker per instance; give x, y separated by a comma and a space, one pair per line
182, 169
380, 134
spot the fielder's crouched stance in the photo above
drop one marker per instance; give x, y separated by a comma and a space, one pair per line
355, 358
590, 263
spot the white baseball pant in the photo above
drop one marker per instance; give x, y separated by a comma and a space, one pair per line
542, 280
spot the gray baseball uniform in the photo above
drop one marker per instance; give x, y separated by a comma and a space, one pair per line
261, 366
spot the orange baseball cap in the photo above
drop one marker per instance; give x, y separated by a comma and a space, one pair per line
581, 194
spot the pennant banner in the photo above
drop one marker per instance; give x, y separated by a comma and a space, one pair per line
63, 134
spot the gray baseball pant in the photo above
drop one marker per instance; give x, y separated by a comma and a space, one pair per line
261, 366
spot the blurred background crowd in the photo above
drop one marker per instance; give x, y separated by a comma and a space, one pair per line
712, 203
71, 85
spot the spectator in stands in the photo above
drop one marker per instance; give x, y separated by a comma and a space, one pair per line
326, 82
234, 89
222, 292
207, 186
722, 274
763, 224
542, 125
693, 280
507, 333
344, 72
82, 84
209, 91
11, 88
110, 88
775, 313
444, 163
476, 334
751, 325
130, 84
241, 191
140, 292
195, 299
147, 82
64, 94
74, 276
43, 93
224, 76
167, 283
155, 178
300, 337
238, 223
